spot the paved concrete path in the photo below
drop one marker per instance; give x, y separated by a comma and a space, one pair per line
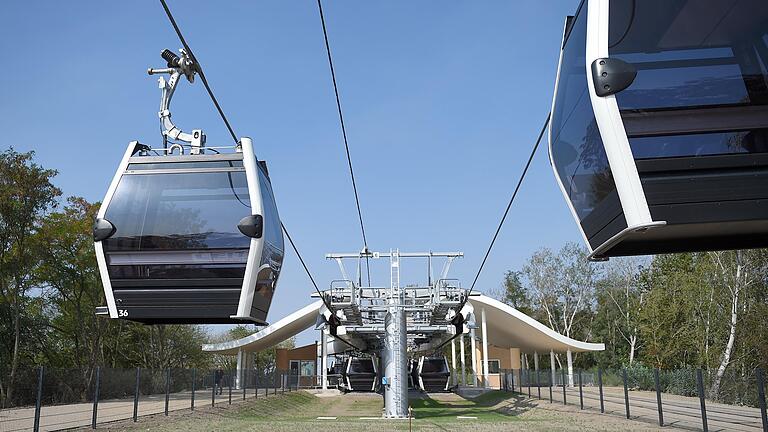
679, 411
59, 417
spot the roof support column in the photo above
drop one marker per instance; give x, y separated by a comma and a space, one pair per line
242, 368
463, 356
324, 359
552, 366
570, 368
454, 378
485, 349
536, 361
473, 337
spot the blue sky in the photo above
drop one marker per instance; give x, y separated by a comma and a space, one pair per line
442, 102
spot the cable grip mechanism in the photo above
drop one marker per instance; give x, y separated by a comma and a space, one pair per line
177, 66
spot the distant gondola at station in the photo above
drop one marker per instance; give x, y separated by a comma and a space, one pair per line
189, 233
659, 127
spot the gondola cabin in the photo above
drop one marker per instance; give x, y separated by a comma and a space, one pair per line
189, 238
360, 374
433, 374
659, 128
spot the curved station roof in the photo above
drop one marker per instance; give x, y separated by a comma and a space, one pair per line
507, 328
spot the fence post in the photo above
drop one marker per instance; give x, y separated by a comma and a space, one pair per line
512, 378
167, 387
700, 385
96, 397
626, 391
600, 385
282, 383
213, 388
256, 382
136, 395
761, 397
528, 378
550, 388
564, 396
229, 381
39, 399
538, 382
658, 396
581, 392
192, 398
520, 375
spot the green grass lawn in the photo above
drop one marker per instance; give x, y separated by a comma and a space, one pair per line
299, 411
492, 406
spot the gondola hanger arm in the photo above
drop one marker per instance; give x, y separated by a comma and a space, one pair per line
178, 66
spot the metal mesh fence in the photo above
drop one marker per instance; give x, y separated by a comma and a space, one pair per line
689, 398
54, 399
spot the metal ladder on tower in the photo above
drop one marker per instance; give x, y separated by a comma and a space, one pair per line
396, 307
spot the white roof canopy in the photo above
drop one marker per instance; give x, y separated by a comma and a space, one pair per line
510, 328
507, 328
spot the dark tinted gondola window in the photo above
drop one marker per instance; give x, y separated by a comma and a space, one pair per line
577, 149
693, 55
177, 212
361, 366
434, 366
273, 229
707, 144
272, 252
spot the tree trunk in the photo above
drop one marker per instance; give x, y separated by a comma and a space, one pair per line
570, 368
16, 339
726, 357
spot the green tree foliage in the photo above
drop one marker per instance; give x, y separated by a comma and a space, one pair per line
26, 194
50, 287
678, 311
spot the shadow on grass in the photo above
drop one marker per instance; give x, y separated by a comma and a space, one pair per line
495, 405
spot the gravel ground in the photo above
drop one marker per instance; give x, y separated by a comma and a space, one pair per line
299, 411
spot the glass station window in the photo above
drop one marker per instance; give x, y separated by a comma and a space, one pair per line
494, 366
179, 211
693, 55
576, 146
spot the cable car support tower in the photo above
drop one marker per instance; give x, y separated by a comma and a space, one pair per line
389, 322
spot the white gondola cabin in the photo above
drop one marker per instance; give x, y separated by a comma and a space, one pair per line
188, 239
659, 127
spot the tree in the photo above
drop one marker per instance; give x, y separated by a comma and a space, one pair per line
26, 195
736, 272
562, 286
72, 288
668, 329
514, 293
624, 295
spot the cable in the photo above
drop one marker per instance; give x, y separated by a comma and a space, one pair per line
509, 205
199, 68
501, 223
344, 134
312, 279
234, 137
